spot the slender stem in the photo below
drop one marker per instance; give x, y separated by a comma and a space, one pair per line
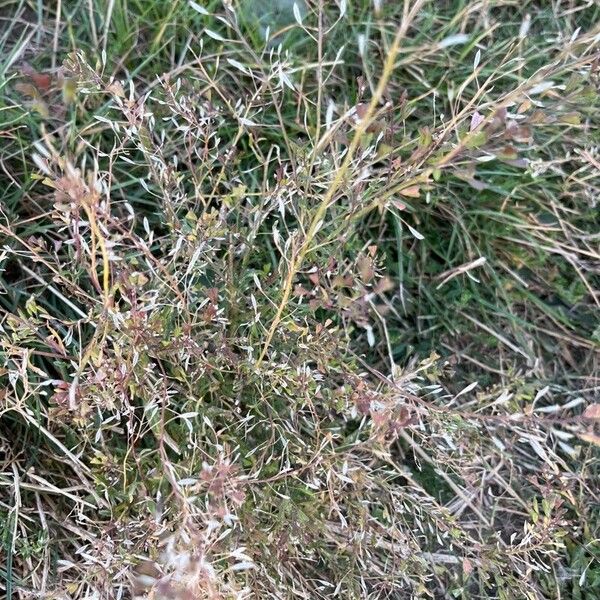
298, 259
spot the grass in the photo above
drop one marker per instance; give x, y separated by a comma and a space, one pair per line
310, 316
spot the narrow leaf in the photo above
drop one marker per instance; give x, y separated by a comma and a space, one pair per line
297, 14
415, 232
198, 8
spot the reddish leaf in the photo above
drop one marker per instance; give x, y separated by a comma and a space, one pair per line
508, 153
412, 191
314, 278
592, 412
361, 111
467, 566
519, 133
476, 120
42, 81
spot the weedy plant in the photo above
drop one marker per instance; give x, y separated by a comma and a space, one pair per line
302, 311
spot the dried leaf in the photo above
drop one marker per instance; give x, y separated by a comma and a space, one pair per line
116, 89
467, 566
366, 269
507, 153
27, 89
42, 81
476, 120
413, 191
590, 437
497, 121
592, 412
538, 116
519, 133
385, 284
